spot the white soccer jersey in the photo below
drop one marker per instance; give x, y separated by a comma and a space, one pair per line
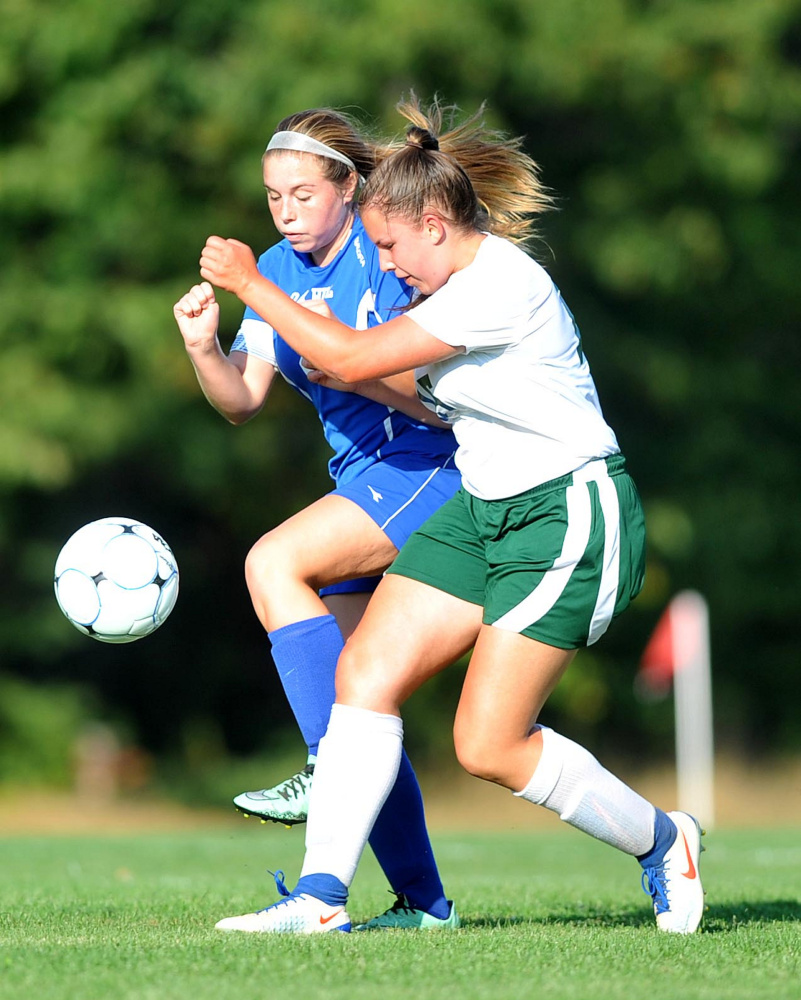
521, 397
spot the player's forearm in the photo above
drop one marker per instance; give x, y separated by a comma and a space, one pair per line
400, 392
222, 383
343, 353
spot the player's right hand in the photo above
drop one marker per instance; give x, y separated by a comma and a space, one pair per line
198, 314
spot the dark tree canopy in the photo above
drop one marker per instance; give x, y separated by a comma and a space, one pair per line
669, 131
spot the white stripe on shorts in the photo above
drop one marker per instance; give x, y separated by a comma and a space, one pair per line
579, 521
416, 493
610, 574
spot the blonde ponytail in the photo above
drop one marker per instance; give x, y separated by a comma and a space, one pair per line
477, 177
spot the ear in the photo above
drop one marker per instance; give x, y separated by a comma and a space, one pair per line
349, 187
434, 228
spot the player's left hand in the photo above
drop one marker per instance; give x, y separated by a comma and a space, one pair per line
228, 264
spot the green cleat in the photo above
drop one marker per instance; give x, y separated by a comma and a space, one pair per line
286, 802
402, 916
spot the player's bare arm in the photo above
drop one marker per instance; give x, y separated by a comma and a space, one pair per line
236, 386
339, 351
399, 392
396, 391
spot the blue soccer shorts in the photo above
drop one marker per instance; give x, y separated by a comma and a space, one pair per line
400, 494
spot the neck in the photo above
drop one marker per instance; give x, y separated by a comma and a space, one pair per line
467, 250
326, 254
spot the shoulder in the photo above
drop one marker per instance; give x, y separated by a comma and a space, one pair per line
361, 248
496, 253
509, 272
273, 257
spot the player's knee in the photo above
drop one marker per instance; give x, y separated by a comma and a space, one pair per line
256, 562
268, 564
480, 756
362, 680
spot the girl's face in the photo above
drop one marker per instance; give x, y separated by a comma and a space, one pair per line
308, 210
418, 254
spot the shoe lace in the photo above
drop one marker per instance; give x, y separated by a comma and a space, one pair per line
280, 885
654, 883
295, 786
401, 905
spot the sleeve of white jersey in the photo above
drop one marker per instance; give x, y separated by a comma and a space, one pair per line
490, 305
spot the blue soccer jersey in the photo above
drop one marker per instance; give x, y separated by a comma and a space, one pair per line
360, 431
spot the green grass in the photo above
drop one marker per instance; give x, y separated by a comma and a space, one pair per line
545, 915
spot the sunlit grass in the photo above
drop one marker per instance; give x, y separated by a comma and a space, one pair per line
544, 915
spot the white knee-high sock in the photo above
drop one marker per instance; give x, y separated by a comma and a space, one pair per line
357, 764
571, 782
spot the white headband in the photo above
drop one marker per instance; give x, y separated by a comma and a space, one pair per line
302, 143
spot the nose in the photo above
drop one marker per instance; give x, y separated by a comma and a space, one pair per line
385, 262
287, 212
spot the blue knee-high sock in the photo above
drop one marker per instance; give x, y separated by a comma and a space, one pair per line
305, 655
400, 843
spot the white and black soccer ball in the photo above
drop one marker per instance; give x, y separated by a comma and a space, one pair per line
116, 579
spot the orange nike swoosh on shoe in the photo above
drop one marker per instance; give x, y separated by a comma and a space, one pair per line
324, 920
691, 872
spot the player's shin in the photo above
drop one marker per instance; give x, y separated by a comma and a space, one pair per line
571, 782
356, 768
305, 654
402, 846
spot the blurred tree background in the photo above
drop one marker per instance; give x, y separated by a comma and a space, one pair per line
670, 131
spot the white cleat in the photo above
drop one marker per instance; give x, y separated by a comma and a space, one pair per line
675, 884
301, 914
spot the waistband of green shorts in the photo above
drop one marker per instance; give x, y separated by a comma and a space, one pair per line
612, 465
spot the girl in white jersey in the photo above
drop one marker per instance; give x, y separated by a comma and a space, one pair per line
532, 559
310, 577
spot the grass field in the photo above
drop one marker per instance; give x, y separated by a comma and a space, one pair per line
546, 914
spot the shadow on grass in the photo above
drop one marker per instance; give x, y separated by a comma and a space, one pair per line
724, 917
583, 918
720, 918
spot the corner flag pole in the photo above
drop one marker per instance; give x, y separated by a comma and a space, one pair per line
692, 697
679, 650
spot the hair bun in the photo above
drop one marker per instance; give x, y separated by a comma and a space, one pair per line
416, 136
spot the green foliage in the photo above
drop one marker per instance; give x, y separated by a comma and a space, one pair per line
39, 726
667, 129
133, 917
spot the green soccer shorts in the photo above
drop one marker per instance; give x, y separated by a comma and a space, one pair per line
557, 563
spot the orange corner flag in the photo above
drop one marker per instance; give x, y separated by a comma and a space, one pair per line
658, 662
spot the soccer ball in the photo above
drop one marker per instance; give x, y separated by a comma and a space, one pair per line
116, 579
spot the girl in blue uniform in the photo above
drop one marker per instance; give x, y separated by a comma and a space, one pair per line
310, 578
